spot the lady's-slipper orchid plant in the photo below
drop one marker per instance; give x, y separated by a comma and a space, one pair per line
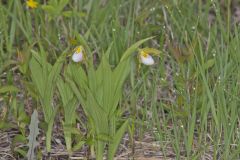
99, 89
79, 54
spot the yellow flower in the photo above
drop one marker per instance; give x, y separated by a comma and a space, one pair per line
78, 54
32, 4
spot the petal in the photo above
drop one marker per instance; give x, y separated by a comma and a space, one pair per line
32, 4
147, 60
77, 57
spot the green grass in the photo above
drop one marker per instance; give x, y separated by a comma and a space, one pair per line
192, 116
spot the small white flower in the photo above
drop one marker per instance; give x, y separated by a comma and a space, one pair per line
78, 54
146, 58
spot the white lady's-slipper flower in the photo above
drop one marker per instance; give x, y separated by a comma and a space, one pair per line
145, 58
78, 54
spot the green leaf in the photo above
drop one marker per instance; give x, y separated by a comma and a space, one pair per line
5, 125
209, 64
49, 9
108, 52
20, 151
116, 140
34, 131
68, 14
104, 137
78, 145
70, 129
8, 88
69, 106
120, 74
49, 131
78, 75
37, 75
62, 4
19, 138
